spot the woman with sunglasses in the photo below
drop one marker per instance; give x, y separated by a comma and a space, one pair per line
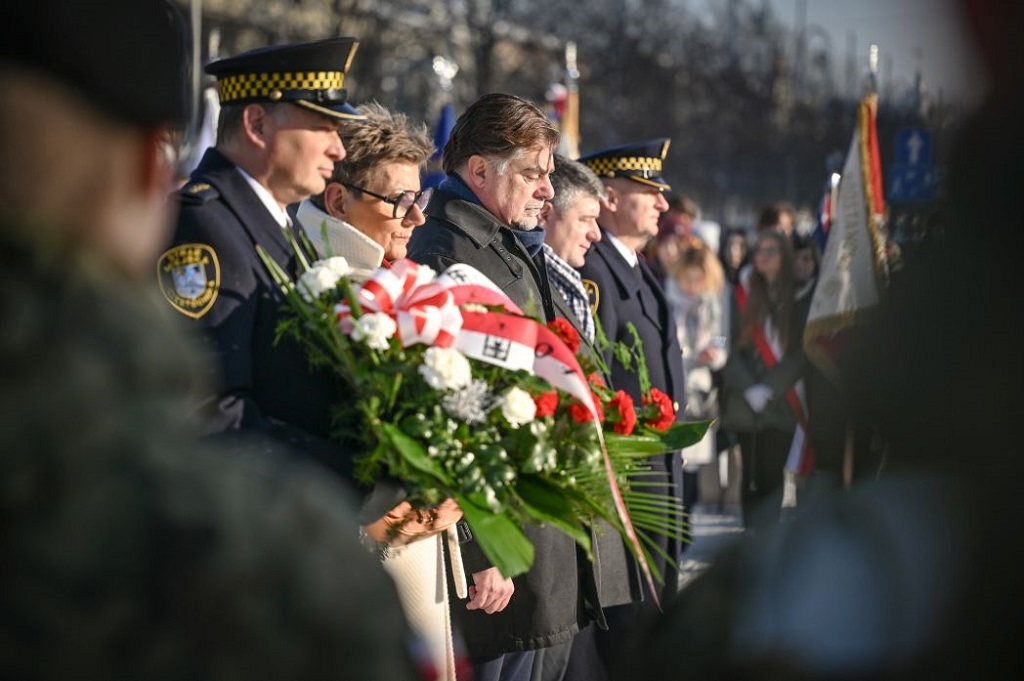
370, 207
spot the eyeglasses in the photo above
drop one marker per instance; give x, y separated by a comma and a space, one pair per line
767, 250
402, 203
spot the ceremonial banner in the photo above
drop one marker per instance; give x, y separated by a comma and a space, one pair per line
853, 267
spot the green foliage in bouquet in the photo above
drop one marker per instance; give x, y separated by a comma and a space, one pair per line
505, 444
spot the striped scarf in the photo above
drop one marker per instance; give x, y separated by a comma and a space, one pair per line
567, 281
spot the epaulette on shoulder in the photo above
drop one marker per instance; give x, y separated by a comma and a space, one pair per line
197, 192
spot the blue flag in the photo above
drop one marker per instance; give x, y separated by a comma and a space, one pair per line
445, 122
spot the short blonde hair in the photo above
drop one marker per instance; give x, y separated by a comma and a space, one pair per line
384, 137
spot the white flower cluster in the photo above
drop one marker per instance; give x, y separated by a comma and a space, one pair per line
445, 369
375, 329
322, 276
469, 404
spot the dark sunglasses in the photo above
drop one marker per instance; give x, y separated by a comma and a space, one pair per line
402, 203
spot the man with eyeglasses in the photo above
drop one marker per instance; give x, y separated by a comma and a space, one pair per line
374, 201
277, 143
485, 213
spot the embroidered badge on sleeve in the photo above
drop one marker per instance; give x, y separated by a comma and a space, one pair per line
189, 277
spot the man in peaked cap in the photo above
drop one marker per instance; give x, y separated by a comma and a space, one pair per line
128, 551
623, 291
277, 144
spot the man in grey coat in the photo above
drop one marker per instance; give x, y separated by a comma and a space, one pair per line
498, 164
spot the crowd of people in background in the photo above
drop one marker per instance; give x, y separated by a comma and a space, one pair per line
174, 506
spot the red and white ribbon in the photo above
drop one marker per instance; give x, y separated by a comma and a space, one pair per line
423, 309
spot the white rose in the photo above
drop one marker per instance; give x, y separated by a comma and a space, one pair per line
336, 264
445, 369
375, 329
518, 407
316, 280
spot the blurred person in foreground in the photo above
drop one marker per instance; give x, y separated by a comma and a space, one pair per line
127, 551
624, 293
485, 213
369, 209
914, 575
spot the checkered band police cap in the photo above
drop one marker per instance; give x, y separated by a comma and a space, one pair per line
640, 161
311, 75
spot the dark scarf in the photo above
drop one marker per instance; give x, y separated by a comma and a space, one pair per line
532, 239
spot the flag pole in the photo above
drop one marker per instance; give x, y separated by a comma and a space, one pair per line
571, 124
874, 220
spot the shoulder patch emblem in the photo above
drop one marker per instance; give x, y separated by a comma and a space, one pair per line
198, 192
593, 293
189, 277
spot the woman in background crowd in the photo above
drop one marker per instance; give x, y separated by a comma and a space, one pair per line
762, 378
734, 253
694, 290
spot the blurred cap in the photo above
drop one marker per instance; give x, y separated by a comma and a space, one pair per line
127, 57
311, 75
641, 161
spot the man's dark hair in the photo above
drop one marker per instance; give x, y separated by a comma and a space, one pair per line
498, 126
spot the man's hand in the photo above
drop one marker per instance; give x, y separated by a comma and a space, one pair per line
490, 591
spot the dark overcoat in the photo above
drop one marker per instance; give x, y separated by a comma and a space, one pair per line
547, 607
622, 295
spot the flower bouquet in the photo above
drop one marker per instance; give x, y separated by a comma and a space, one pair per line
459, 396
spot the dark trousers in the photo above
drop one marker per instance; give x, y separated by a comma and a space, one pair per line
585, 662
764, 460
508, 667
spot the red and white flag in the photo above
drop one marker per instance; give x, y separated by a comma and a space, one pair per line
853, 267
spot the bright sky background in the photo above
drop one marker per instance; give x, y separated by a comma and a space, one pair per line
929, 34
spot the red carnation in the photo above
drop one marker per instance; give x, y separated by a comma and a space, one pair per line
565, 331
596, 380
666, 410
581, 414
624, 413
546, 403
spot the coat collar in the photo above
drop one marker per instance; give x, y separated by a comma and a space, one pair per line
221, 173
364, 255
472, 219
650, 296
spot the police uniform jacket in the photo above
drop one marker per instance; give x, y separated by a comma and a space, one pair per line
547, 607
264, 385
621, 295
